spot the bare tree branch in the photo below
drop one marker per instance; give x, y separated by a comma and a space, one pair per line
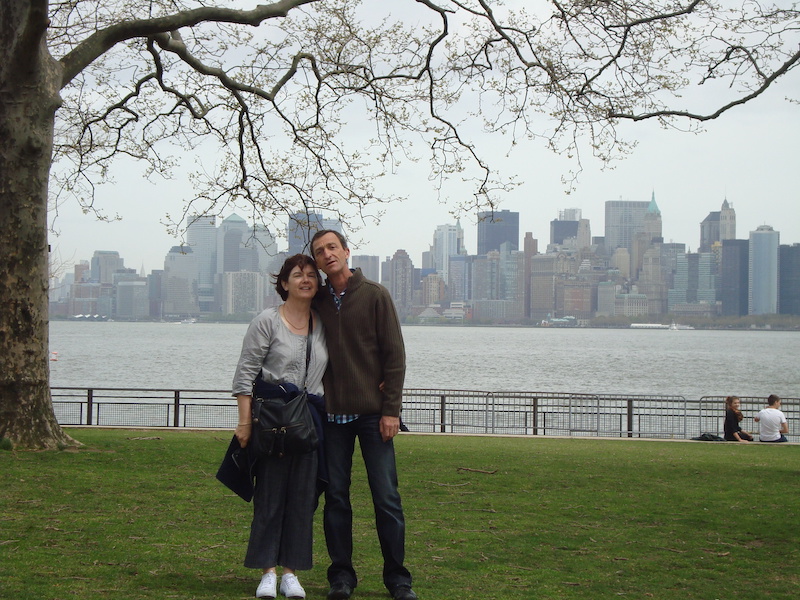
100, 42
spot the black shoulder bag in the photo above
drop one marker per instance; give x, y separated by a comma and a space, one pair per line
284, 425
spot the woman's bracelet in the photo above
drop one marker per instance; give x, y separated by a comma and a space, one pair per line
243, 424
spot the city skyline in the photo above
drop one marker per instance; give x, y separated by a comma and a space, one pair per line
628, 271
743, 232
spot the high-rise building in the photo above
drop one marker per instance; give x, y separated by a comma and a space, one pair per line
132, 299
201, 236
718, 226
652, 222
243, 292
694, 281
301, 228
486, 276
432, 289
762, 295
459, 288
448, 240
179, 283
727, 222
623, 220
496, 227
370, 265
232, 235
789, 279
401, 283
546, 269
734, 267
512, 283
562, 230
709, 231
266, 249
651, 281
530, 246
104, 264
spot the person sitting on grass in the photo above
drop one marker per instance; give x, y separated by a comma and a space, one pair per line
733, 416
773, 421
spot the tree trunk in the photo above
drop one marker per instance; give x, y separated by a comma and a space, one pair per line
29, 96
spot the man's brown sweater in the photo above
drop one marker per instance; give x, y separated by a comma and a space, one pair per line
365, 349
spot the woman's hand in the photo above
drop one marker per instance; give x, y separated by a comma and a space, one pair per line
242, 433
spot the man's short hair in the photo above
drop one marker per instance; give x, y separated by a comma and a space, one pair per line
773, 399
322, 232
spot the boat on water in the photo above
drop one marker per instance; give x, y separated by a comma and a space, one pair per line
672, 327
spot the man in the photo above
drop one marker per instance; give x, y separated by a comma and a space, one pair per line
773, 421
363, 397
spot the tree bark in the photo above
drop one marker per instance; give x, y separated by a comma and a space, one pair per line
29, 96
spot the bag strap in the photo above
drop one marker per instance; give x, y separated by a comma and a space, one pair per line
308, 346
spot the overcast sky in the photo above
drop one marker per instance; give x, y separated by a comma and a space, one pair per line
749, 156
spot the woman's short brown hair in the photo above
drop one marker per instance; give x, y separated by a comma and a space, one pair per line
282, 276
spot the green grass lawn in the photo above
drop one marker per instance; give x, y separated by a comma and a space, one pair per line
139, 514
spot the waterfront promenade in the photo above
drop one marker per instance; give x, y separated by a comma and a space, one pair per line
440, 411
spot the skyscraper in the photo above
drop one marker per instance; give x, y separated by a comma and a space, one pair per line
762, 294
789, 280
201, 236
370, 265
733, 280
727, 222
623, 219
718, 226
401, 284
301, 228
496, 227
232, 235
652, 222
448, 240
104, 264
179, 283
694, 281
266, 249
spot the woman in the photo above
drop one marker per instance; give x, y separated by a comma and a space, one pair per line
733, 432
274, 347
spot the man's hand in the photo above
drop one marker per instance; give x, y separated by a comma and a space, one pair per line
389, 427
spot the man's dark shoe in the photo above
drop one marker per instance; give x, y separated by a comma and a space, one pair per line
340, 591
403, 592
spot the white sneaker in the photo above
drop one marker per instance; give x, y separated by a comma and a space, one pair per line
266, 589
290, 587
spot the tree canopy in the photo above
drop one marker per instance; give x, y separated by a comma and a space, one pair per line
303, 103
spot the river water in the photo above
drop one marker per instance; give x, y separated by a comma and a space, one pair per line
608, 361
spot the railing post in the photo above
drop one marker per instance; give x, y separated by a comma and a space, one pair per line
442, 411
176, 409
89, 403
536, 416
630, 417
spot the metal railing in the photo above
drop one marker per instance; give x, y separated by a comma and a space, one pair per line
439, 411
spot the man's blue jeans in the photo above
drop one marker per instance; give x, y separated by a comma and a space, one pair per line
338, 515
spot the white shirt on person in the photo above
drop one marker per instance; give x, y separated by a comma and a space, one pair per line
770, 420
